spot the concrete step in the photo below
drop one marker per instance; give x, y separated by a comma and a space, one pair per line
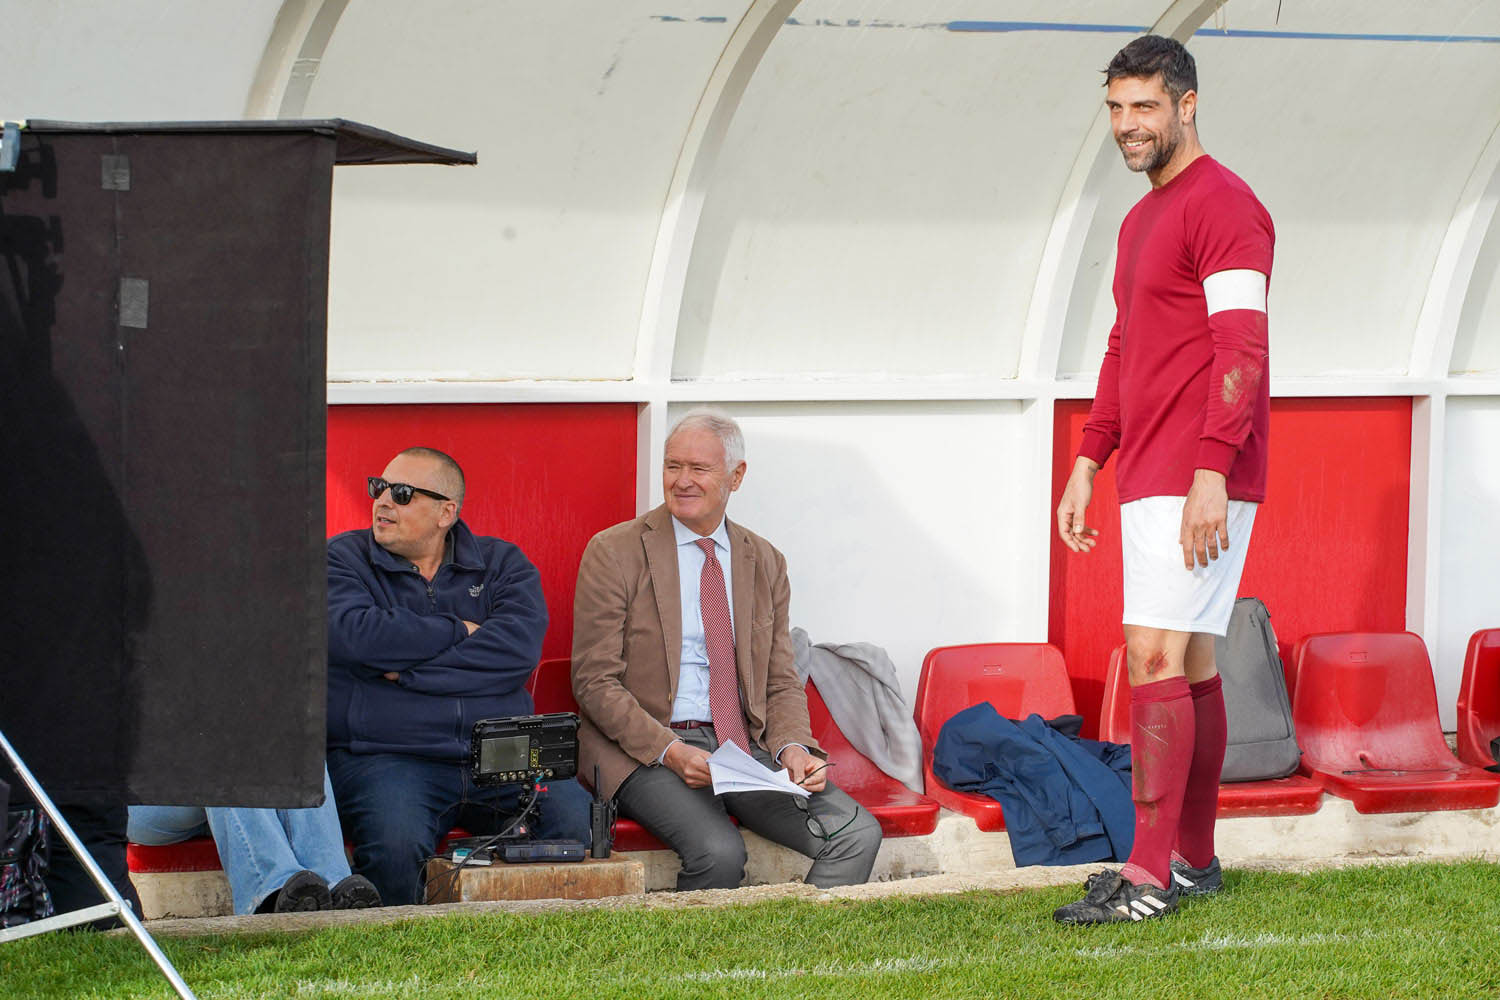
957, 847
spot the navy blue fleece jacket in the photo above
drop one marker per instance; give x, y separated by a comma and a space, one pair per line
383, 617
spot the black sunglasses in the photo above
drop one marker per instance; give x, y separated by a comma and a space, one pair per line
400, 492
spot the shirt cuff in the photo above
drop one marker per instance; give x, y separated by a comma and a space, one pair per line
661, 758
783, 750
1216, 456
1097, 446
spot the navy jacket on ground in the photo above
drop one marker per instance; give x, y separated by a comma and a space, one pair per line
1066, 800
383, 616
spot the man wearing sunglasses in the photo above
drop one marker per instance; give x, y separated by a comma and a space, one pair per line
430, 629
681, 644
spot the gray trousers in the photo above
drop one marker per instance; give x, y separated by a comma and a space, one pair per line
695, 823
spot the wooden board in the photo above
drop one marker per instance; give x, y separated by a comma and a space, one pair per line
591, 878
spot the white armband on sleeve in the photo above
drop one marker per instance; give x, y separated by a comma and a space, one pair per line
1237, 289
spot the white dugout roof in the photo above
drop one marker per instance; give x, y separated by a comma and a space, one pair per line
865, 227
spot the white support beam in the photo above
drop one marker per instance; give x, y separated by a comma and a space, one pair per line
1425, 515
854, 390
666, 279
291, 58
395, 389
1453, 270
1470, 385
650, 435
1046, 315
1034, 551
399, 390
1432, 358
661, 303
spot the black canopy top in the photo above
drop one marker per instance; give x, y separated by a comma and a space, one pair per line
357, 143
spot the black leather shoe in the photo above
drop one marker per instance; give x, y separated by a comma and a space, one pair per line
303, 892
355, 893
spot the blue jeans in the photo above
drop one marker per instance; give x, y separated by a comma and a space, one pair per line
259, 848
396, 808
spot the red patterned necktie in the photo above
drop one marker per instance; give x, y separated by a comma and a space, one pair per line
718, 635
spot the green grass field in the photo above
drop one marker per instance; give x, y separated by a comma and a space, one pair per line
1382, 931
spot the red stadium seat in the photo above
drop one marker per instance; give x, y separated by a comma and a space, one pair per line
1367, 721
1289, 665
1479, 699
1017, 678
901, 811
1114, 710
551, 688
195, 855
1294, 795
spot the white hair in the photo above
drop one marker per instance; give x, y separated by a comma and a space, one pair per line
723, 427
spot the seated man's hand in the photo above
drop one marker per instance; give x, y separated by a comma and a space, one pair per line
391, 675
690, 763
804, 768
471, 626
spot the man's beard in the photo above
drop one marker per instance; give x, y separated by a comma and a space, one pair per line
1158, 154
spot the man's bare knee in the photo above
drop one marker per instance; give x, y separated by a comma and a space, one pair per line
1151, 656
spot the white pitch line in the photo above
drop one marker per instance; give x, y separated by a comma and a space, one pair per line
1228, 942
878, 966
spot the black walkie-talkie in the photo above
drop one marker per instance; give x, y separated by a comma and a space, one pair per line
601, 822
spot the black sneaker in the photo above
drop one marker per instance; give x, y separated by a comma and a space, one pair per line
1192, 881
1110, 898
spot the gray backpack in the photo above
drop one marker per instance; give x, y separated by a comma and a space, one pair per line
1262, 743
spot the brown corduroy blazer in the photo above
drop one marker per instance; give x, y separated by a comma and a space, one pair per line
627, 646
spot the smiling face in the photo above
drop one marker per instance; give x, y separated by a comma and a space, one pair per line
414, 531
1153, 133
694, 478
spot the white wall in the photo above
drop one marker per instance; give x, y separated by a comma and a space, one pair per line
896, 519
531, 264
1469, 591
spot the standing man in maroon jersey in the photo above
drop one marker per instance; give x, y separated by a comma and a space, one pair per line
1183, 396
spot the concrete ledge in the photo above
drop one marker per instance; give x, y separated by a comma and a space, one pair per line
960, 855
166, 895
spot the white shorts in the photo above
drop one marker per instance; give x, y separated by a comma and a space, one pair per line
1160, 592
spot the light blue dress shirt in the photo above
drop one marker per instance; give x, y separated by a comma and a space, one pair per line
691, 703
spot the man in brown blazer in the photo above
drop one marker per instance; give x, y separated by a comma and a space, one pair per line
672, 656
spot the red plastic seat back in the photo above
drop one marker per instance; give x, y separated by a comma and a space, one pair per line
1366, 701
1289, 667
1018, 678
1479, 698
1114, 711
551, 686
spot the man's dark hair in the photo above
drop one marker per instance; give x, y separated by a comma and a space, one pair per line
451, 471
1152, 54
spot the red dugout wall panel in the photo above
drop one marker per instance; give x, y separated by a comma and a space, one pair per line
545, 476
1328, 551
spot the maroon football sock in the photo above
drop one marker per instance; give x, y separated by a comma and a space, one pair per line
1161, 750
1200, 800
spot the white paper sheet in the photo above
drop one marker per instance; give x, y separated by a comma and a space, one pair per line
733, 770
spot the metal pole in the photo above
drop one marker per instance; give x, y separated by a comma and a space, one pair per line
118, 904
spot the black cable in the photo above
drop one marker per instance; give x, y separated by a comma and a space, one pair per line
452, 873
